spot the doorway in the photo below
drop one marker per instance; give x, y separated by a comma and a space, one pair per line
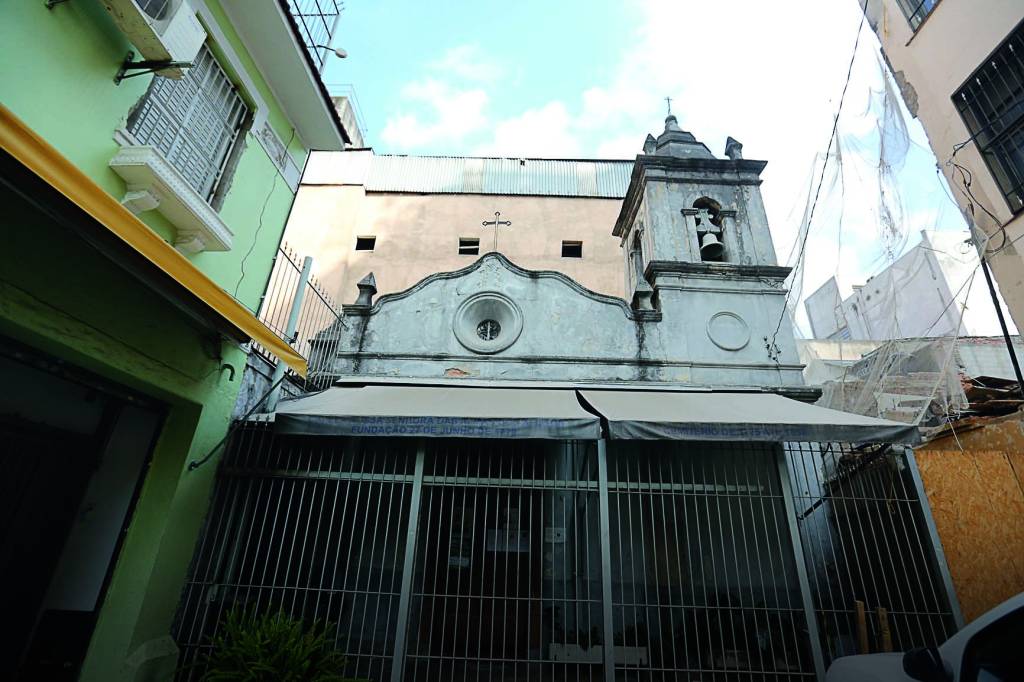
73, 451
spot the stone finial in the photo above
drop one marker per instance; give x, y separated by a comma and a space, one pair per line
672, 124
649, 144
733, 149
367, 289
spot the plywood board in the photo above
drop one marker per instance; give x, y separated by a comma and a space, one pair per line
978, 506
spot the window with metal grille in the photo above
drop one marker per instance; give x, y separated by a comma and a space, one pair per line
194, 122
991, 104
916, 10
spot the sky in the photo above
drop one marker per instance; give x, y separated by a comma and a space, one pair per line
588, 79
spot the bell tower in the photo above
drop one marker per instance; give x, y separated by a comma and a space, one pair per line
697, 248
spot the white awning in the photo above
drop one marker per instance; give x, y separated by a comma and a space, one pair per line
439, 411
737, 417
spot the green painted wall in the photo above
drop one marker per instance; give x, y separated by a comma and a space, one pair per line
62, 297
63, 89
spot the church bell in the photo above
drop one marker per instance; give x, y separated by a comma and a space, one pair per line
710, 247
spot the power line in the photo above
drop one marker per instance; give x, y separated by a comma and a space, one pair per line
821, 178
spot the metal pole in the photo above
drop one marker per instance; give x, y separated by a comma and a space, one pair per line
289, 332
606, 560
938, 555
1002, 324
801, 564
402, 624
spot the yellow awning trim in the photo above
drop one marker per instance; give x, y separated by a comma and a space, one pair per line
37, 155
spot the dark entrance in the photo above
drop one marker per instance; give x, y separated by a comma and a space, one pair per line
72, 454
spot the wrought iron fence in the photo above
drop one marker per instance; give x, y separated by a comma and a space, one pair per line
486, 560
317, 312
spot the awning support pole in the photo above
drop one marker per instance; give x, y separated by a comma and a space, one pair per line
801, 564
289, 331
938, 556
405, 596
606, 561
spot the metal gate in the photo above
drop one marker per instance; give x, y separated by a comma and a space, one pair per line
480, 559
704, 581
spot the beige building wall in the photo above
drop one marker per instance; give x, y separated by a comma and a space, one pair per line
418, 234
930, 65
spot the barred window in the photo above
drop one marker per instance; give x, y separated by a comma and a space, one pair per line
194, 122
991, 103
916, 10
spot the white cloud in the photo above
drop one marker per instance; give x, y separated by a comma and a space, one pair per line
544, 132
452, 115
767, 74
467, 62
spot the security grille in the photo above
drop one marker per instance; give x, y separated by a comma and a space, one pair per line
916, 10
482, 560
873, 574
194, 121
992, 106
703, 575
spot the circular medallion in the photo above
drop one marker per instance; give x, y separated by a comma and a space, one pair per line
488, 322
728, 331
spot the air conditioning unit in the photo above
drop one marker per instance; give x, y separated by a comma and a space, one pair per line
162, 30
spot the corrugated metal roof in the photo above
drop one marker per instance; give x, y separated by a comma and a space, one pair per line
476, 175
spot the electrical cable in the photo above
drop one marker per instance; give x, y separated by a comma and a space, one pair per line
259, 227
196, 463
821, 178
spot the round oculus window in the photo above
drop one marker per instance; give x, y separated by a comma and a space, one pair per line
488, 322
488, 330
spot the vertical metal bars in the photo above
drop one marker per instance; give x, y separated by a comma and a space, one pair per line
402, 622
507, 573
991, 104
311, 527
317, 315
703, 575
194, 122
801, 569
482, 559
867, 548
607, 612
317, 20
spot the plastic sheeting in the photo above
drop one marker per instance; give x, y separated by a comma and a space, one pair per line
439, 411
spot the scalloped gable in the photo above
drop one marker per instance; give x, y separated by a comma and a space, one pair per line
493, 319
511, 267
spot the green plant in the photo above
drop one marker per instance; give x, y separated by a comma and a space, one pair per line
272, 647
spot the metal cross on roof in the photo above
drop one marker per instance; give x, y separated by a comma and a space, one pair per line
497, 222
668, 103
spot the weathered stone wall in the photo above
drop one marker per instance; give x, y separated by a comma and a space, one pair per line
567, 333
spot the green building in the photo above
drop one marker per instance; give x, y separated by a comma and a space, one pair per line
141, 216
